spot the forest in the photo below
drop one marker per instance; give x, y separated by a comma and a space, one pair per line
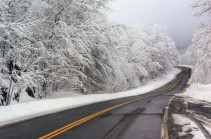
49, 45
199, 53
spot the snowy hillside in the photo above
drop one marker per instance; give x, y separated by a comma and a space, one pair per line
199, 53
53, 45
198, 91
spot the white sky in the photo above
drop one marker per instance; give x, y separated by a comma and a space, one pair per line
176, 15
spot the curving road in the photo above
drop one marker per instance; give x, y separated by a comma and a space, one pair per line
138, 117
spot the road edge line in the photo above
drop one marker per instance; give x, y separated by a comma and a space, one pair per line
165, 133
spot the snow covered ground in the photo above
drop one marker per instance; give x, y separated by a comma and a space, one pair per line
188, 126
34, 108
199, 91
208, 129
195, 93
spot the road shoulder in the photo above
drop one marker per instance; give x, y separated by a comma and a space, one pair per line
188, 118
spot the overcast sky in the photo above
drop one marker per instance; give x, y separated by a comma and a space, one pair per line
176, 15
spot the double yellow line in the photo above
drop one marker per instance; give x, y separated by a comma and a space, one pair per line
85, 119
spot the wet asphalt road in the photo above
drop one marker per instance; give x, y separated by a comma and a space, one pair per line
137, 120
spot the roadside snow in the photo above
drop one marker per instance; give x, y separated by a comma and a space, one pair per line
187, 66
24, 97
188, 126
199, 91
208, 129
22, 111
63, 93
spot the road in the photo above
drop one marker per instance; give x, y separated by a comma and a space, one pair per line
140, 118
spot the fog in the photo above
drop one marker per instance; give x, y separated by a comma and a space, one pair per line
175, 15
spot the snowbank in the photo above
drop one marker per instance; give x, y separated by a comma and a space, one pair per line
22, 111
199, 91
188, 126
187, 66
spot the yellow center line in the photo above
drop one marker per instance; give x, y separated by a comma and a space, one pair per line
85, 119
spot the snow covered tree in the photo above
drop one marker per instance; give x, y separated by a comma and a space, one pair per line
48, 45
17, 45
199, 53
146, 52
